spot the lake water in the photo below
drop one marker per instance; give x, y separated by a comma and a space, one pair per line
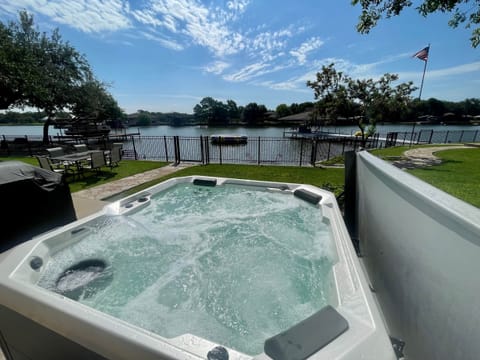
164, 130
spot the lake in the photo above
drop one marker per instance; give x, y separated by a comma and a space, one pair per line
164, 130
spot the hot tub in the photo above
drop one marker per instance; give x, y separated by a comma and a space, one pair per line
194, 268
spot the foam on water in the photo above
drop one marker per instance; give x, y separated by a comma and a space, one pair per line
231, 264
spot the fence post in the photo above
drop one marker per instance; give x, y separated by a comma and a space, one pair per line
446, 137
313, 155
134, 149
475, 136
220, 149
431, 135
461, 136
328, 153
202, 155
177, 150
419, 136
207, 151
301, 151
28, 146
166, 147
258, 154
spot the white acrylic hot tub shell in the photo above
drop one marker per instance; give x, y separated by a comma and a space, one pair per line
112, 338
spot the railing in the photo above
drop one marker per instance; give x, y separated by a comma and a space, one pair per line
257, 150
432, 137
298, 151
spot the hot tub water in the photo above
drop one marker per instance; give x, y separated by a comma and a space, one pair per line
232, 264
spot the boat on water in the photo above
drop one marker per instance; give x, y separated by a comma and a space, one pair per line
229, 139
85, 128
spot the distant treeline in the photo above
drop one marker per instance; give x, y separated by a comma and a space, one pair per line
214, 112
445, 111
22, 118
147, 118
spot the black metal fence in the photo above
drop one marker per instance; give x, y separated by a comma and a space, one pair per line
257, 150
431, 137
299, 151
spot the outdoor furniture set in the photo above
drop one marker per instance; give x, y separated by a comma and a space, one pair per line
81, 160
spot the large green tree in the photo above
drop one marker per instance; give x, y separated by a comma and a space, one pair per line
463, 12
254, 114
44, 72
365, 100
211, 111
93, 101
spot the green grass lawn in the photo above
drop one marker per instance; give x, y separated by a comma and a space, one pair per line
397, 151
458, 174
329, 179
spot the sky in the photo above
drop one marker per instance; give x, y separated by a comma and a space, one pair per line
167, 55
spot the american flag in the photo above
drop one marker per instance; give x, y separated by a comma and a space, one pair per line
422, 54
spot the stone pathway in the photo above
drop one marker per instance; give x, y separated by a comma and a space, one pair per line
423, 156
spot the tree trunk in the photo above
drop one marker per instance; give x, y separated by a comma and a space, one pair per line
48, 122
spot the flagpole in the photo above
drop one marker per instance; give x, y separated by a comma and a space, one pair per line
423, 76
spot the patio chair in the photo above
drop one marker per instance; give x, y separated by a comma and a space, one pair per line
97, 161
56, 151
80, 147
114, 155
46, 164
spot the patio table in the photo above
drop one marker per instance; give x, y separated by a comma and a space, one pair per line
74, 158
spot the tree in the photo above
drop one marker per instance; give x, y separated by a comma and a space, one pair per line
93, 101
282, 110
367, 100
464, 12
253, 113
144, 119
232, 110
211, 111
38, 70
330, 89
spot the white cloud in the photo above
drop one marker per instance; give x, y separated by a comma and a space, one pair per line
217, 67
455, 70
269, 45
310, 45
162, 41
90, 16
146, 17
253, 71
238, 5
246, 73
198, 23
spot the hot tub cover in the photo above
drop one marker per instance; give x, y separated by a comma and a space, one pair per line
34, 200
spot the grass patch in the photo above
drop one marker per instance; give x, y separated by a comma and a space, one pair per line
337, 160
458, 175
329, 179
397, 151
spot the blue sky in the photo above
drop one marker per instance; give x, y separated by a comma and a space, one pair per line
166, 55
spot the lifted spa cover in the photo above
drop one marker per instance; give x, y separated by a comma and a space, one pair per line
33, 200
